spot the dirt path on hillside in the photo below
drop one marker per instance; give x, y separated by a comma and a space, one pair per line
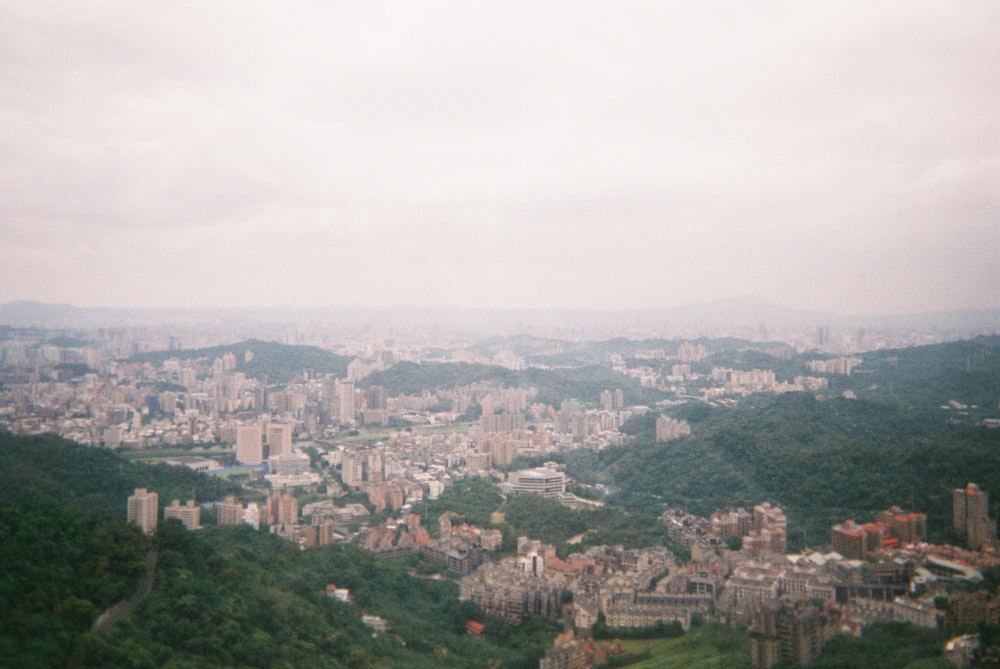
122, 609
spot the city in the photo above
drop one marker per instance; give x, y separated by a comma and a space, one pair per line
545, 335
346, 452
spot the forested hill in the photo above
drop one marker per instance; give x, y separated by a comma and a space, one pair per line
928, 377
50, 470
553, 385
278, 362
821, 460
225, 596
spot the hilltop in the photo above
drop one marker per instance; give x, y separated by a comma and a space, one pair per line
277, 363
222, 596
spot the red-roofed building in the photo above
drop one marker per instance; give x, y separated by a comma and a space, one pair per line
908, 528
855, 541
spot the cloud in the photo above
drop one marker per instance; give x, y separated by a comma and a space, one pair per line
435, 153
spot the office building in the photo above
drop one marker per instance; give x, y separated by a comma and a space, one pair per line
540, 481
249, 445
345, 401
279, 439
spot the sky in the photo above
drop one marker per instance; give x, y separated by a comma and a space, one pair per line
841, 156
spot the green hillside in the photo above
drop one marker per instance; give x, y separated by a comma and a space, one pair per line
822, 461
53, 471
278, 362
553, 385
233, 597
927, 377
221, 596
58, 569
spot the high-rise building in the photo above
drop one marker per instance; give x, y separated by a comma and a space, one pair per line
612, 399
822, 335
515, 400
282, 508
144, 510
502, 422
229, 512
502, 453
345, 401
668, 428
279, 439
970, 516
189, 514
691, 352
249, 445
791, 630
252, 515
607, 400
353, 465
375, 468
377, 398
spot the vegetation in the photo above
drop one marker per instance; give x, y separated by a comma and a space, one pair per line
276, 362
553, 385
886, 646
552, 523
231, 596
222, 597
704, 647
927, 377
73, 369
660, 630
51, 470
58, 568
821, 461
471, 500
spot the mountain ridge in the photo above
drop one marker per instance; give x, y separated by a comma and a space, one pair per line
737, 314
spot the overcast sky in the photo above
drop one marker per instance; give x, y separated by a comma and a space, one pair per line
843, 156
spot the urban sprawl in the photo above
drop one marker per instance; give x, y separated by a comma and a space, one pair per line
335, 438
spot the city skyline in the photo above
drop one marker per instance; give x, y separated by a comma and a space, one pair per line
834, 157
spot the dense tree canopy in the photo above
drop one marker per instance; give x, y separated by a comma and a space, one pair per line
50, 469
822, 461
276, 362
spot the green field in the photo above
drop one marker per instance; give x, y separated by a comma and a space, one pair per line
708, 647
157, 454
366, 435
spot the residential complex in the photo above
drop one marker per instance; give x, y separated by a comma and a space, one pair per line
189, 514
304, 440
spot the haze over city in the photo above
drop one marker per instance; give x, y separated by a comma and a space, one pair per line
555, 335
832, 156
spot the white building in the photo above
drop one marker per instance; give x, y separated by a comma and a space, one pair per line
289, 463
540, 481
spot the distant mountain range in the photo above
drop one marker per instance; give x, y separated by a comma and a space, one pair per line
740, 316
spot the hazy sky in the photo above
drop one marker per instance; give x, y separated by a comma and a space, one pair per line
841, 155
